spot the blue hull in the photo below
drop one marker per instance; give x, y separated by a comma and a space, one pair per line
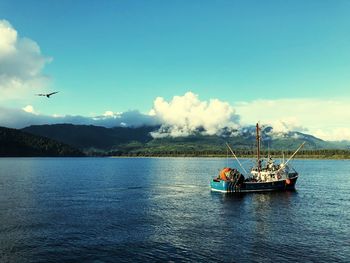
230, 187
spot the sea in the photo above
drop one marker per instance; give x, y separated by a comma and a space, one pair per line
162, 210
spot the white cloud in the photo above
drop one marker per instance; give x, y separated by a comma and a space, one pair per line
8, 38
186, 114
20, 118
108, 113
327, 119
335, 134
21, 63
132, 118
29, 109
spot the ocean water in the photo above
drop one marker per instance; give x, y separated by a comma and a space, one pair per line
162, 210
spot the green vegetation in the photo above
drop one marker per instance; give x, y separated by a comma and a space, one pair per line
191, 152
15, 143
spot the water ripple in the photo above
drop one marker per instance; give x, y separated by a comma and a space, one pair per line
162, 210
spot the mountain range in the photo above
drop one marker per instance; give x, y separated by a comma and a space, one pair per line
96, 140
80, 140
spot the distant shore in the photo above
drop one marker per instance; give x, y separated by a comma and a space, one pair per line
305, 154
310, 155
317, 157
215, 156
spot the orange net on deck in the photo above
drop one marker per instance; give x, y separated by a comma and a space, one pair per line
224, 173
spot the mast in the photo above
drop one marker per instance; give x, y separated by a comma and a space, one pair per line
258, 147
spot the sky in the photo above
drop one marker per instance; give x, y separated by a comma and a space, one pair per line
185, 64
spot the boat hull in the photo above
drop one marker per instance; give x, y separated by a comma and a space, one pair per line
229, 187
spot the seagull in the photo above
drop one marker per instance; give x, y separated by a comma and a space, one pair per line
48, 94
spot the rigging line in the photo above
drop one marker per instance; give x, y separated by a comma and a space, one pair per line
236, 158
226, 157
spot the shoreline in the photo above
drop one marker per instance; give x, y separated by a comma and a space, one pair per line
230, 157
178, 156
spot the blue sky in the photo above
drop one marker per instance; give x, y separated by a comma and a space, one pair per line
121, 55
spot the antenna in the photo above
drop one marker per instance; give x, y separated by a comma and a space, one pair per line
290, 158
258, 147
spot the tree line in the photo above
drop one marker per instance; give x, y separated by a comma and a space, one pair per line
244, 153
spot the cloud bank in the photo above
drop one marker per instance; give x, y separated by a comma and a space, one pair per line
21, 63
181, 116
20, 118
185, 115
327, 119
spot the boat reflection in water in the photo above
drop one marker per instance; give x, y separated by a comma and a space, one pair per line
268, 177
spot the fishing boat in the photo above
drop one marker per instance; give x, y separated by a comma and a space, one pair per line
266, 175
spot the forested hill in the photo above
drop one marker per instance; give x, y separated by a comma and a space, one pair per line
90, 137
16, 143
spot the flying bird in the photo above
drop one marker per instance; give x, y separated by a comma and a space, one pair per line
48, 94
